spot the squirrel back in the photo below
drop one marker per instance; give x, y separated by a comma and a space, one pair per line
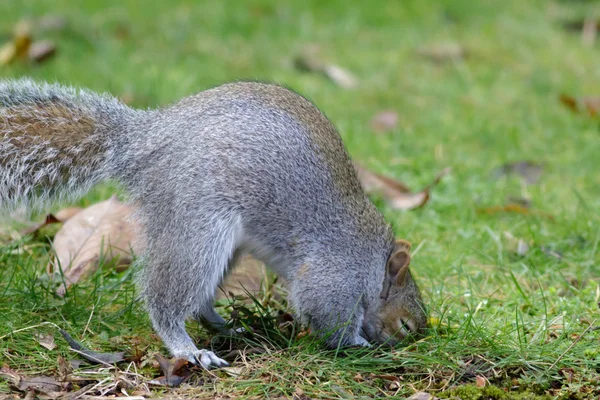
243, 167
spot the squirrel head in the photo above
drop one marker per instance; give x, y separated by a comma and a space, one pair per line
401, 311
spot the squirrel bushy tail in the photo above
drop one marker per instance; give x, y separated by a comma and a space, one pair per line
55, 141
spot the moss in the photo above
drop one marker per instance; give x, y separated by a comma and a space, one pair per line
471, 392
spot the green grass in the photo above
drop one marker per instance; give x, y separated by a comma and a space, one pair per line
520, 321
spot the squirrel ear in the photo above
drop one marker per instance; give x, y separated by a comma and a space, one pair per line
397, 265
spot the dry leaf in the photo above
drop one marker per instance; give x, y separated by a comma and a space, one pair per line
18, 47
50, 219
340, 76
66, 213
173, 371
41, 51
513, 209
43, 384
591, 105
100, 232
248, 276
480, 381
530, 171
60, 216
444, 52
396, 194
384, 121
64, 369
46, 340
310, 60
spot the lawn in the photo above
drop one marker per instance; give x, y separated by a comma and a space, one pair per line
507, 321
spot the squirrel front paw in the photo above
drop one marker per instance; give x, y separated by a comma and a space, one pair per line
207, 359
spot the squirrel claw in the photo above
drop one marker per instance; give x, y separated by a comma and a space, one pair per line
208, 359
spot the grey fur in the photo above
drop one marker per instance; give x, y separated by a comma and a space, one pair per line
241, 167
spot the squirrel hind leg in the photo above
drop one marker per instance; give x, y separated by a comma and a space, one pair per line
181, 345
178, 283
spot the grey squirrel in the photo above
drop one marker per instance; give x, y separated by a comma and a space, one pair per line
243, 167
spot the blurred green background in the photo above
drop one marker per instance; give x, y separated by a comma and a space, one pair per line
475, 85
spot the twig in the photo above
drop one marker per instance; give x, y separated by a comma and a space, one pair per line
573, 344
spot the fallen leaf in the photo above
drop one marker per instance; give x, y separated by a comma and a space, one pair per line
384, 121
64, 214
513, 209
64, 369
19, 45
310, 60
100, 232
173, 371
50, 219
92, 356
480, 381
396, 194
444, 52
8, 53
392, 378
591, 105
530, 171
41, 51
46, 340
59, 216
46, 385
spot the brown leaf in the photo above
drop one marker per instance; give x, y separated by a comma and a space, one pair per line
444, 52
530, 171
59, 216
480, 381
41, 51
589, 105
396, 194
50, 219
64, 369
384, 121
100, 232
172, 370
513, 209
310, 60
392, 378
66, 213
49, 386
46, 340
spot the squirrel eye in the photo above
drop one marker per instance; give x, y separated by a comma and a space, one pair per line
406, 326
